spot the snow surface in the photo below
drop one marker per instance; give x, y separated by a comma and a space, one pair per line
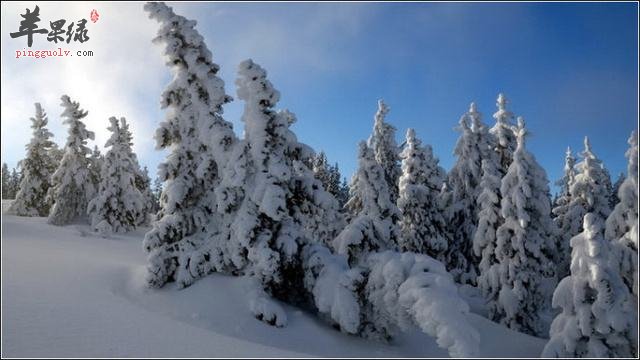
68, 292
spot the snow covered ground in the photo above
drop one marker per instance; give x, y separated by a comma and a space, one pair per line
69, 293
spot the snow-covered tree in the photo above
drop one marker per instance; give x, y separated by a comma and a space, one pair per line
520, 282
156, 190
283, 206
373, 226
503, 131
343, 194
589, 193
95, 165
37, 169
15, 178
383, 143
463, 183
143, 183
327, 174
198, 140
566, 222
423, 227
614, 190
71, 184
119, 204
622, 224
6, 182
488, 205
598, 317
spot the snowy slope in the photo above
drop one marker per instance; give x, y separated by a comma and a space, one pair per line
66, 292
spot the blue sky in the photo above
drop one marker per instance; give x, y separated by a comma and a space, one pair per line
570, 69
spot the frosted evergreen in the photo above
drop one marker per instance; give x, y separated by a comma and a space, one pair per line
521, 281
374, 223
383, 143
622, 224
423, 227
71, 184
565, 221
119, 204
37, 168
503, 132
599, 315
198, 140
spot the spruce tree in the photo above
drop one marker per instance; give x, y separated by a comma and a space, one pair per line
6, 182
622, 224
37, 169
565, 222
598, 317
423, 227
383, 143
524, 242
503, 131
198, 139
589, 193
373, 226
119, 204
461, 211
71, 184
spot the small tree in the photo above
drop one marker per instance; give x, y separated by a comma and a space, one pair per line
597, 318
71, 184
119, 204
423, 228
37, 169
385, 149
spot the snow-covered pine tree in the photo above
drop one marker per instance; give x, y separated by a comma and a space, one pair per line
283, 206
156, 190
321, 169
95, 165
488, 205
503, 131
14, 180
423, 227
198, 139
589, 193
622, 224
143, 183
383, 143
462, 186
614, 190
71, 184
374, 216
565, 222
524, 240
327, 174
6, 183
119, 204
37, 169
343, 194
598, 317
